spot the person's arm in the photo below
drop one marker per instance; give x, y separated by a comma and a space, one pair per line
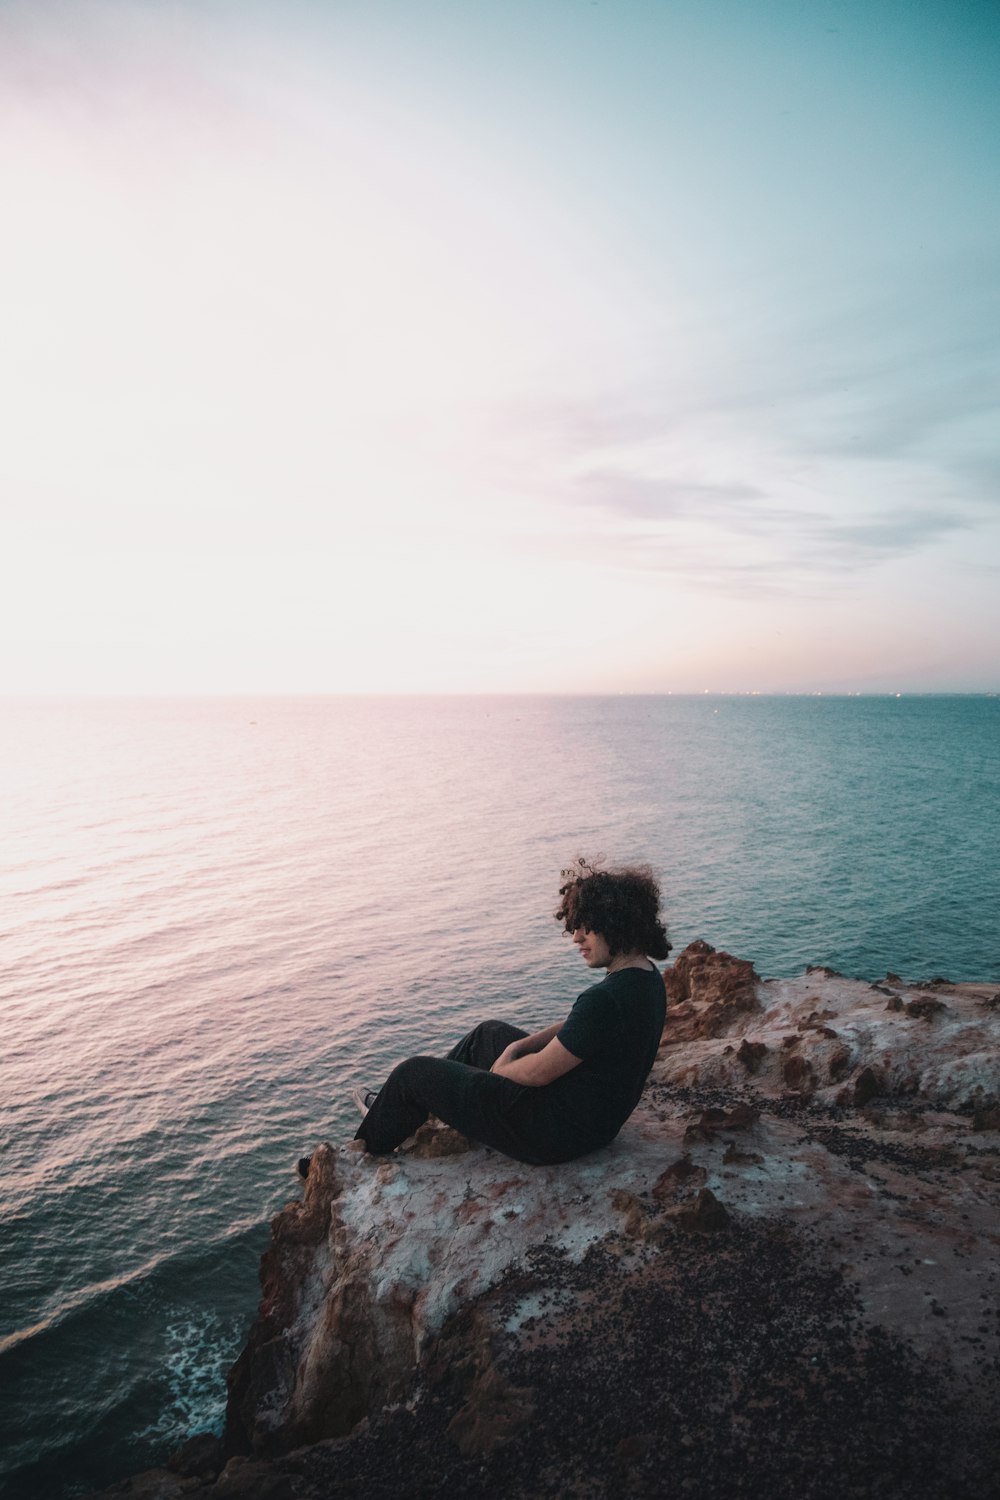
524, 1045
538, 1068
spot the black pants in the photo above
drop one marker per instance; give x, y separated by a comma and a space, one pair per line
461, 1091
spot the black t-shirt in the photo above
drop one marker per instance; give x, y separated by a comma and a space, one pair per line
614, 1028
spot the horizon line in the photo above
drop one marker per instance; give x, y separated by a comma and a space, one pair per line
277, 694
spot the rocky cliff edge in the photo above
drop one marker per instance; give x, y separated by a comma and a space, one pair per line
781, 1278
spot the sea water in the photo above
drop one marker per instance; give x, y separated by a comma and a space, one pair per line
216, 916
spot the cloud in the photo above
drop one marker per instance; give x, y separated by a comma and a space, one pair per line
647, 498
801, 451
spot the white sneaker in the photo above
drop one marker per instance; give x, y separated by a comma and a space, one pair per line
364, 1099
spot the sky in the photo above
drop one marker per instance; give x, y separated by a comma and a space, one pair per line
499, 346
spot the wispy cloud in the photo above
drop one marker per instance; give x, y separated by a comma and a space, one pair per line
849, 440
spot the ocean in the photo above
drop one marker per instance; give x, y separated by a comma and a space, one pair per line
217, 915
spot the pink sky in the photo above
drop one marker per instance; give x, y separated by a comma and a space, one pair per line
543, 351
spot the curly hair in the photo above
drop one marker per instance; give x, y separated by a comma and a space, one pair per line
623, 905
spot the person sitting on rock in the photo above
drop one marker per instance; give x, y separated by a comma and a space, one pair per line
569, 1088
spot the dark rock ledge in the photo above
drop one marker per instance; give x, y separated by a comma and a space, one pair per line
781, 1280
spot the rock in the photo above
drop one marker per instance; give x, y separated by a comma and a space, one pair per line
798, 1074
705, 1216
248, 1479
736, 1158
202, 1455
925, 1009
707, 990
839, 1064
151, 1484
711, 1121
493, 1410
868, 1085
682, 1173
447, 1302
438, 1140
751, 1054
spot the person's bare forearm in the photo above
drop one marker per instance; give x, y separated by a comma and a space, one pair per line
537, 1041
536, 1069
523, 1048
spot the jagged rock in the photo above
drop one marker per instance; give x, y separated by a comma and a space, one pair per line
751, 1054
438, 1140
707, 991
734, 1157
705, 1216
799, 1075
925, 1009
868, 1085
839, 1064
711, 1121
442, 1282
247, 1479
202, 1456
681, 1173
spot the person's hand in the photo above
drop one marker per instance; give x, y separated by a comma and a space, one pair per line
508, 1055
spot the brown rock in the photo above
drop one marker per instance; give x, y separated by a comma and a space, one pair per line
708, 991
681, 1173
799, 1074
814, 1021
460, 1364
629, 1205
432, 1141
734, 1157
711, 1121
925, 1009
751, 1054
839, 1063
494, 1410
868, 1085
705, 1216
895, 1002
987, 1119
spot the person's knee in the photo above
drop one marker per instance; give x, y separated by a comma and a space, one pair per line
490, 1028
409, 1072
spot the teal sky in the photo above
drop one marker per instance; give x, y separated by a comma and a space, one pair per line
558, 346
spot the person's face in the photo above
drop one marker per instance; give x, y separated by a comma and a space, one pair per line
595, 951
